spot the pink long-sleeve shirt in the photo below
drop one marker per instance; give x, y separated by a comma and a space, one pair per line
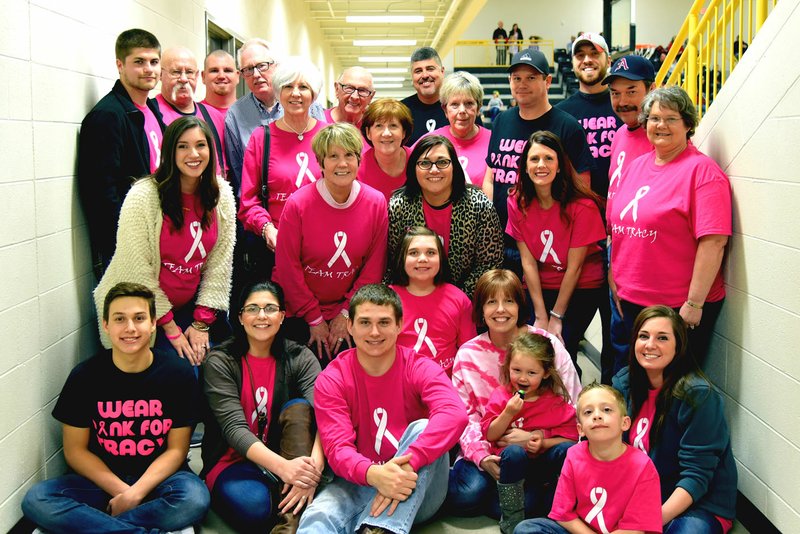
326, 251
361, 417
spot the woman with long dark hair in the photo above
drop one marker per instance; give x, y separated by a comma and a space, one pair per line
555, 219
262, 458
679, 421
176, 234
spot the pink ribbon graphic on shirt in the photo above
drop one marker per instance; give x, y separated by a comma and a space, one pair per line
641, 431
302, 160
340, 240
430, 125
618, 170
634, 204
196, 230
547, 240
599, 496
464, 161
156, 144
261, 403
381, 418
421, 328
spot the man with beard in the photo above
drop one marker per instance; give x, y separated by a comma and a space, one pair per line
591, 106
354, 92
178, 84
221, 79
427, 74
119, 140
630, 79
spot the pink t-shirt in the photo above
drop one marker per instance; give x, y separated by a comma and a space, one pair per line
476, 373
471, 152
371, 174
658, 215
154, 135
263, 382
549, 413
184, 253
292, 164
170, 115
361, 418
437, 324
627, 146
439, 220
623, 494
640, 430
549, 237
325, 252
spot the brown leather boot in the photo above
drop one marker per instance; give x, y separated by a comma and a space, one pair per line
296, 440
287, 524
296, 436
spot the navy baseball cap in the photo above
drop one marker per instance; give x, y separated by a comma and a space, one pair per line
532, 58
632, 67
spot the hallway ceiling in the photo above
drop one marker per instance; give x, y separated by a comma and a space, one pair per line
444, 21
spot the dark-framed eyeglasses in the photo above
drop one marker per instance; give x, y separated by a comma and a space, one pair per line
262, 68
363, 92
426, 164
255, 309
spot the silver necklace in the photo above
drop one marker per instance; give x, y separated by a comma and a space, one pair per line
298, 134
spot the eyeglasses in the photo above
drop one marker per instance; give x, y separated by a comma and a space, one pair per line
255, 309
426, 164
363, 92
175, 74
669, 121
262, 68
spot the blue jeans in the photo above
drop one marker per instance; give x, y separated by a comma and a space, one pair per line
343, 507
540, 474
694, 522
242, 496
620, 341
472, 492
72, 502
577, 317
540, 525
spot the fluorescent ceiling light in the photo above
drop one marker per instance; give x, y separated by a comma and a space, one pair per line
391, 19
388, 86
383, 59
387, 70
389, 79
384, 42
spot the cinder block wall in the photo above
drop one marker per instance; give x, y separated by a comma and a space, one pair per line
751, 130
58, 60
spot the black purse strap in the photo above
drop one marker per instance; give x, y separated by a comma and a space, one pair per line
264, 169
215, 133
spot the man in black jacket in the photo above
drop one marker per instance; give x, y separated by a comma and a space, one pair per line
120, 140
500, 37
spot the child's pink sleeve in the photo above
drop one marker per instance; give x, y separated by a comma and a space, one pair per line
495, 406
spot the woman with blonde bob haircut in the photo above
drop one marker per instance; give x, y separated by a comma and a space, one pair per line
333, 242
386, 126
461, 97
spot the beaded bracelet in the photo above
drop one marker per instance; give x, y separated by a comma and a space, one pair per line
199, 326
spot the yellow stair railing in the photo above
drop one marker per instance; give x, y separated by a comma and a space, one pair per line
715, 34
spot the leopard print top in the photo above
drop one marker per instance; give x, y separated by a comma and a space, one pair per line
476, 239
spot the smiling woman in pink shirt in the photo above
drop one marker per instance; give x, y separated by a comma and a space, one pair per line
387, 126
333, 241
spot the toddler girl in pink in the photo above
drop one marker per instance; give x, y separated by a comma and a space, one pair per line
532, 397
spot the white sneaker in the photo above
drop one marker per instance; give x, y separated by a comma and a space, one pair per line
187, 530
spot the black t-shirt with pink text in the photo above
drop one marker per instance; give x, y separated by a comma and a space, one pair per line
128, 414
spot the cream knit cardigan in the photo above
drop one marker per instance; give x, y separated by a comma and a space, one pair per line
137, 257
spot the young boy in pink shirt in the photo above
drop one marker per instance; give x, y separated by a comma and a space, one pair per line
387, 419
605, 484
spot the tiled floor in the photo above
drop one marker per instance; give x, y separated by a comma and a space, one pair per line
449, 525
